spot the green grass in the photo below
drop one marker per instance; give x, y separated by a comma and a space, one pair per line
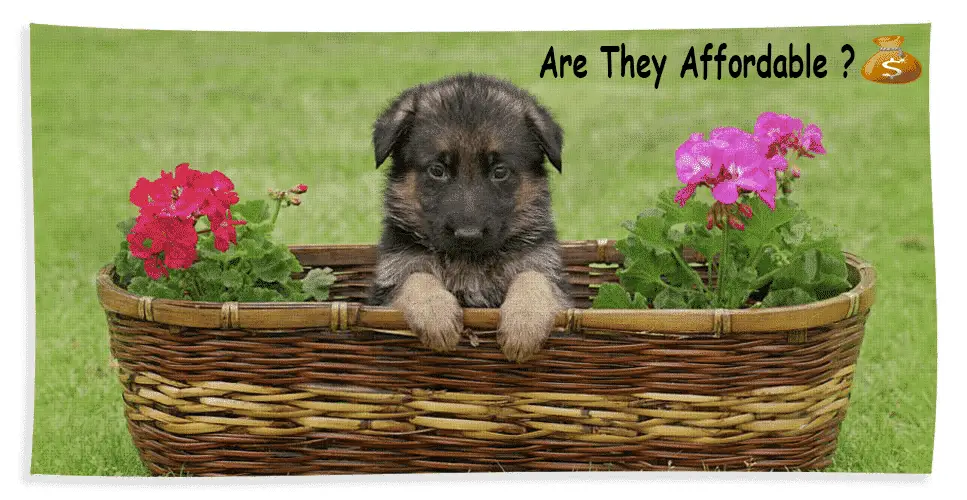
273, 110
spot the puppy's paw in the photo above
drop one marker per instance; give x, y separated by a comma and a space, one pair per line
431, 311
527, 316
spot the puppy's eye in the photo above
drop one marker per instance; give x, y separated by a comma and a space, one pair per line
437, 172
500, 173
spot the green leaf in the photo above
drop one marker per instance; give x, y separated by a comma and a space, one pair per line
651, 228
800, 272
232, 279
292, 291
698, 301
783, 256
317, 282
257, 214
702, 240
793, 233
204, 280
670, 298
693, 213
259, 294
810, 266
832, 264
629, 247
666, 226
261, 228
207, 250
738, 283
275, 264
127, 266
644, 273
162, 288
207, 270
787, 297
833, 275
253, 246
614, 296
254, 211
830, 287
611, 296
271, 270
653, 251
651, 213
764, 225
126, 225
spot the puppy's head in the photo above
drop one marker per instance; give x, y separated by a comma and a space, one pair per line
468, 170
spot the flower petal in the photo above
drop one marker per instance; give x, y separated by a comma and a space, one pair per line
684, 194
726, 192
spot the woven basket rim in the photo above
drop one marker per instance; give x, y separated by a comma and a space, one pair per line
347, 316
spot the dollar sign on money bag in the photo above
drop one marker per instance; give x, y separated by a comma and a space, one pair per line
891, 64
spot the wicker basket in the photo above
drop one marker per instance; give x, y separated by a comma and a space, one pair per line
325, 388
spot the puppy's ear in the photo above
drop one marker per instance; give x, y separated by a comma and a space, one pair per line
393, 124
548, 133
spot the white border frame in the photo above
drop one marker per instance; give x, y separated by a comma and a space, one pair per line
946, 79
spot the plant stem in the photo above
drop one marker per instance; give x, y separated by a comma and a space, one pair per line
761, 282
723, 263
695, 277
278, 208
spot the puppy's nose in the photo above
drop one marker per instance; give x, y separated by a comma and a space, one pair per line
468, 233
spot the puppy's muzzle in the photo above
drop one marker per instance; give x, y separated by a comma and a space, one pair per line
467, 235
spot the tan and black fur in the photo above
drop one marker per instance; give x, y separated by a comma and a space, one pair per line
467, 218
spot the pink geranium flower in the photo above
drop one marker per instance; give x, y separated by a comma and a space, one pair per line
730, 162
777, 132
811, 140
782, 133
684, 194
745, 168
694, 160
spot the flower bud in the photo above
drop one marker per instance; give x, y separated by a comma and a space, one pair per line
745, 210
736, 223
794, 171
301, 188
709, 221
294, 200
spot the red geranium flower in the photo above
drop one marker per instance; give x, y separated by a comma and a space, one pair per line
170, 206
223, 227
172, 237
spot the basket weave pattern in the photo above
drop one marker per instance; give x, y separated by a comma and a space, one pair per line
349, 390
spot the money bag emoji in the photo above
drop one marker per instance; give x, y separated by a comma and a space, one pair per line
891, 64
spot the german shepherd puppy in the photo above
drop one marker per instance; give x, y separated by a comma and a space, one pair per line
467, 219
